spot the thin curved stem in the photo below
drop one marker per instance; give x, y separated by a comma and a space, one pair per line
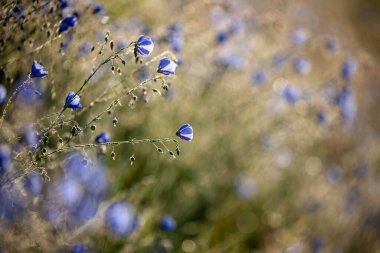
113, 143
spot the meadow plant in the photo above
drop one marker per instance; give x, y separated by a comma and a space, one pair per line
94, 103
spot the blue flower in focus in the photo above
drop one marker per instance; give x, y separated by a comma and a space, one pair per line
185, 132
167, 223
348, 69
73, 101
166, 66
102, 137
67, 22
38, 70
121, 219
33, 183
5, 159
301, 65
144, 46
3, 94
290, 94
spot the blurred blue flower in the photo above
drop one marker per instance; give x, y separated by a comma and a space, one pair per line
121, 219
67, 22
167, 223
69, 192
120, 44
102, 137
5, 159
185, 132
291, 94
63, 4
3, 94
33, 183
331, 44
31, 136
232, 62
73, 101
18, 10
144, 46
316, 245
321, 117
259, 76
334, 174
299, 37
346, 103
245, 187
98, 9
12, 204
301, 65
79, 248
175, 37
222, 37
279, 59
38, 70
85, 48
166, 66
348, 68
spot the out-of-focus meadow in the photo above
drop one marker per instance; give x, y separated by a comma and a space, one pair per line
282, 95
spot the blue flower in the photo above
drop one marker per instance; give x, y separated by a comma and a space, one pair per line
73, 101
185, 132
121, 219
175, 37
144, 46
299, 37
38, 70
63, 4
66, 23
33, 183
331, 45
3, 94
69, 191
222, 37
102, 137
98, 9
166, 66
301, 65
291, 94
79, 248
167, 223
348, 69
5, 159
259, 76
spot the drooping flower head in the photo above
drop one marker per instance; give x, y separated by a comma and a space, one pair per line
166, 66
73, 101
102, 137
38, 70
144, 46
185, 132
121, 219
67, 22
